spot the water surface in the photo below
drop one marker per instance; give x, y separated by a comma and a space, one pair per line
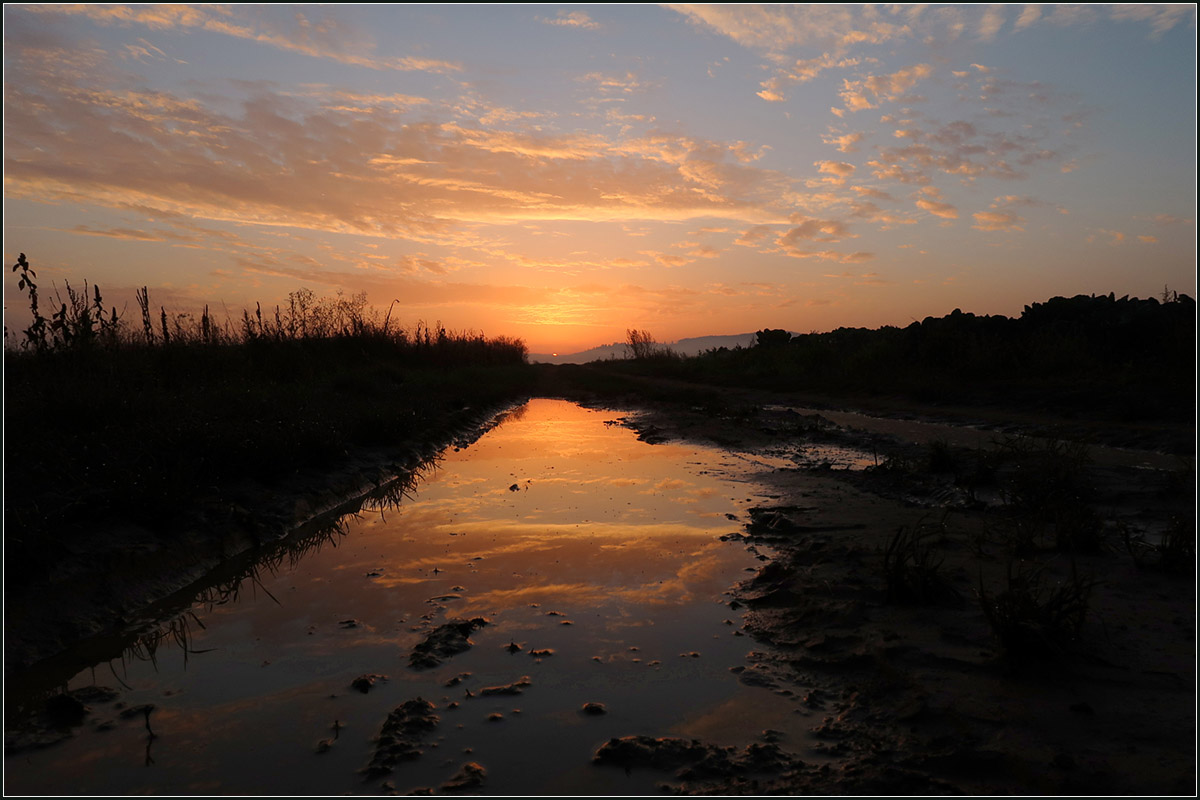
560, 527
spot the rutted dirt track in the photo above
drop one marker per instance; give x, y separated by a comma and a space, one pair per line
916, 694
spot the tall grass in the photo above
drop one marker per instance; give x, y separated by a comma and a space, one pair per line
146, 421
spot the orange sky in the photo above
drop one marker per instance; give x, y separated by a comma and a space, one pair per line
562, 174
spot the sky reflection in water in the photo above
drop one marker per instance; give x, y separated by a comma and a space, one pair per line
606, 552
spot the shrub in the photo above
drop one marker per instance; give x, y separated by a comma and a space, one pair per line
1031, 616
911, 568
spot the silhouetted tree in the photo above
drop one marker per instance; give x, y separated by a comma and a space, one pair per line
773, 338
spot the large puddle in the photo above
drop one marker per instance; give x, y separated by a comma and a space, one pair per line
596, 558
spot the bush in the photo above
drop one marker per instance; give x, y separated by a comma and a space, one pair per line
911, 568
1034, 617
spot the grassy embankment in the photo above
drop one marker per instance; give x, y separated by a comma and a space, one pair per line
109, 423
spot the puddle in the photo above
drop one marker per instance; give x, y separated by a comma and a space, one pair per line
923, 432
596, 560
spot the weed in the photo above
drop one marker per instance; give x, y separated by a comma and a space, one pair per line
1177, 549
940, 457
1175, 552
1077, 528
1041, 473
1032, 616
892, 463
911, 568
640, 346
1043, 489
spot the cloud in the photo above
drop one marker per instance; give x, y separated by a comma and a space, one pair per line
869, 211
997, 221
801, 71
930, 203
668, 260
572, 19
1160, 17
754, 235
831, 255
778, 28
328, 159
1030, 14
859, 95
614, 84
360, 102
1170, 219
1148, 239
964, 149
1114, 237
326, 37
845, 142
866, 191
839, 168
991, 23
822, 230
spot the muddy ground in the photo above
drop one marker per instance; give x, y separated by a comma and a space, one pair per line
999, 619
1006, 618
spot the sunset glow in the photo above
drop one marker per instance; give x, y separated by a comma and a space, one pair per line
562, 174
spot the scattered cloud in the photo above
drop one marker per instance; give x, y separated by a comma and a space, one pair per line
1161, 18
1109, 237
997, 221
839, 170
613, 84
845, 142
869, 92
572, 19
755, 235
1029, 16
822, 230
1170, 219
324, 37
929, 200
991, 22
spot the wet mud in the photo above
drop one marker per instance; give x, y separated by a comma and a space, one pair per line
861, 661
446, 640
906, 678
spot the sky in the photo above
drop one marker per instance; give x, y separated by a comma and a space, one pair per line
564, 173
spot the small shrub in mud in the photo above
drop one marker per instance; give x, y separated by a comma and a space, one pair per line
1034, 616
1044, 492
941, 457
892, 463
1175, 552
1041, 475
912, 569
1077, 528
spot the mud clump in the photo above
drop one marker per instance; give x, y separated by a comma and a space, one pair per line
364, 683
470, 776
691, 758
402, 735
56, 720
445, 641
509, 688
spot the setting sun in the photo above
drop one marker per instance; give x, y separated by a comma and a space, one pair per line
561, 176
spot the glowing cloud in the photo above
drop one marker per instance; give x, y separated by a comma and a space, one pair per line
572, 19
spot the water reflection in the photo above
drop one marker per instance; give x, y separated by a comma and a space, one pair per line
595, 557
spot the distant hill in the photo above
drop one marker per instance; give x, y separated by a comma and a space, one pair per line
684, 347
